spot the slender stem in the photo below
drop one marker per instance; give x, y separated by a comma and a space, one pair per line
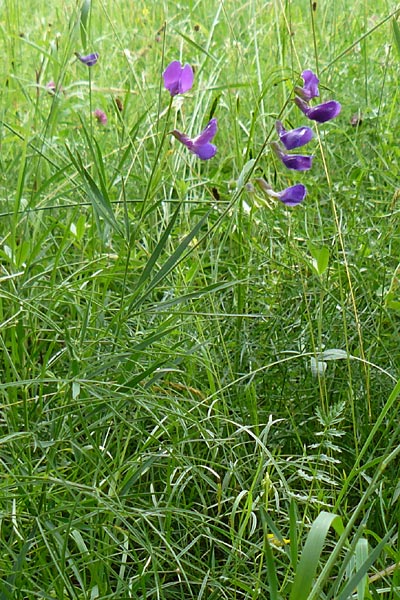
90, 103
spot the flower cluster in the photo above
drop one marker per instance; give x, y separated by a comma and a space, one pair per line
289, 140
178, 79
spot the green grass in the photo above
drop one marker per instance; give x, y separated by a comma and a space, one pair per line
199, 386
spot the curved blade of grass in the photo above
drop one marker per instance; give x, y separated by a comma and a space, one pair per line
381, 419
208, 289
271, 571
101, 203
293, 548
343, 540
362, 570
361, 556
312, 552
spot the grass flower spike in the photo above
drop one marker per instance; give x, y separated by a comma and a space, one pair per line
200, 145
297, 162
294, 138
89, 60
310, 88
178, 79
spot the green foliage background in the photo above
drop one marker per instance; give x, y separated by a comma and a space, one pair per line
191, 373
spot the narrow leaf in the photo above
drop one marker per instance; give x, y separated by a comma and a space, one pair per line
362, 570
333, 354
84, 20
172, 261
361, 557
271, 571
396, 34
311, 554
208, 289
101, 203
320, 258
246, 172
158, 249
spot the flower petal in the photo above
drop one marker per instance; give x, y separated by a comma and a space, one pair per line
320, 113
293, 195
298, 162
294, 138
183, 138
171, 77
88, 60
201, 144
205, 152
178, 79
324, 112
100, 116
208, 133
187, 78
311, 81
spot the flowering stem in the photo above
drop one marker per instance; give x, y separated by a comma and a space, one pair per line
314, 36
90, 103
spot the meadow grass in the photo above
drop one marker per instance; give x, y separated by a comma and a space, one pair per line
199, 386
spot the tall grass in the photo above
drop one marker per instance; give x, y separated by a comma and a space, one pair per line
199, 386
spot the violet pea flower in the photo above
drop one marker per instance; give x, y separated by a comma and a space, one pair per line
297, 162
200, 145
178, 79
294, 138
310, 88
290, 196
89, 60
293, 195
320, 113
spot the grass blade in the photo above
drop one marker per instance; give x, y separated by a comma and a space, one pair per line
362, 570
173, 260
396, 34
311, 554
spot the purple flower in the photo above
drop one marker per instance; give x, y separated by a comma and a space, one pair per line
320, 113
200, 145
298, 162
310, 88
178, 79
89, 60
290, 196
294, 138
293, 195
100, 116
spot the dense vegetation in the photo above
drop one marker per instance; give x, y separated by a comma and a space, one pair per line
199, 385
